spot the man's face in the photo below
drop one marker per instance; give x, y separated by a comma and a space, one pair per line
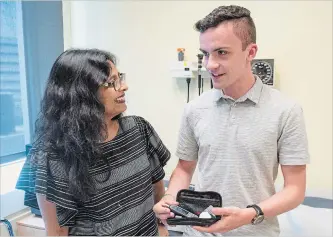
224, 57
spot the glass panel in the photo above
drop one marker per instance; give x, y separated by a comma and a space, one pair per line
11, 116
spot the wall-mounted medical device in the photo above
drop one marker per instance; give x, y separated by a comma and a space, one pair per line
189, 70
200, 79
264, 69
184, 69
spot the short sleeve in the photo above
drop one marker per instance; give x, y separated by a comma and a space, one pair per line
293, 143
187, 146
158, 153
46, 176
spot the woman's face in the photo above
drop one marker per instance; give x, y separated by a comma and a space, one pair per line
112, 93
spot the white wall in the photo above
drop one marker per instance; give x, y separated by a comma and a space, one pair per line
145, 34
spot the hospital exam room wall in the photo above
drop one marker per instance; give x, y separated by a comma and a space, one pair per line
145, 35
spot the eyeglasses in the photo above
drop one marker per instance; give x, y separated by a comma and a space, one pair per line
116, 84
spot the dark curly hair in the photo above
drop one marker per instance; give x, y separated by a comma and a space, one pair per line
71, 122
243, 23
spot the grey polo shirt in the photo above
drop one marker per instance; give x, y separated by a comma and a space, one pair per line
239, 144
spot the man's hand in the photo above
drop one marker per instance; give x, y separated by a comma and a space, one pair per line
162, 211
232, 218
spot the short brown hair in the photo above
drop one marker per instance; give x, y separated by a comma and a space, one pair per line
244, 26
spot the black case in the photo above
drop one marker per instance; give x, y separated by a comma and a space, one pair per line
196, 202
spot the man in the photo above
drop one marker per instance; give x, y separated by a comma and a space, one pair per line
238, 134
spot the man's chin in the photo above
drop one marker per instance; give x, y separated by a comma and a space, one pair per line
219, 86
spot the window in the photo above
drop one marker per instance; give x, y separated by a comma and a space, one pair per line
27, 29
14, 116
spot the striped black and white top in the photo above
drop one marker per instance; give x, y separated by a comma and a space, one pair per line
123, 204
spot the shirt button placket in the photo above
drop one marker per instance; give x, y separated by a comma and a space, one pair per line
232, 113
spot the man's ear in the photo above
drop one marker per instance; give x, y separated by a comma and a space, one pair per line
252, 50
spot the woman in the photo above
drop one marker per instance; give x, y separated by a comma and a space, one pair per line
92, 170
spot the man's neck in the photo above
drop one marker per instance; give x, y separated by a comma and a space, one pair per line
240, 87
